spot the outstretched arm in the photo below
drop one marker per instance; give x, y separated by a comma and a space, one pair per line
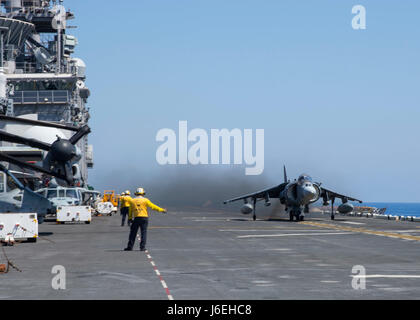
155, 207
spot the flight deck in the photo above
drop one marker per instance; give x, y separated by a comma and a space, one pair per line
204, 254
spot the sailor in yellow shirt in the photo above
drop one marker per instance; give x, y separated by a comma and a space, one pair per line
125, 206
140, 218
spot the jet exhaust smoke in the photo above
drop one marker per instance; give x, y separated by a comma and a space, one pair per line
188, 186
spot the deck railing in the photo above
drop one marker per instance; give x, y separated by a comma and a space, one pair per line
41, 97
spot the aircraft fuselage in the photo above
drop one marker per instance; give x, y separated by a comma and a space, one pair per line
298, 195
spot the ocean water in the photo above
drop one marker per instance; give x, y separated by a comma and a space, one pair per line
397, 209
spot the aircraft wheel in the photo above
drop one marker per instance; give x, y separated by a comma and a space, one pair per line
302, 218
332, 217
291, 216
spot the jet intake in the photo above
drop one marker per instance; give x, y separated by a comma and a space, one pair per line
345, 208
291, 192
247, 208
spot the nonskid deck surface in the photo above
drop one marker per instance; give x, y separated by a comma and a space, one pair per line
220, 255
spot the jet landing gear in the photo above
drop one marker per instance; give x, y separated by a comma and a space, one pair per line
332, 209
297, 214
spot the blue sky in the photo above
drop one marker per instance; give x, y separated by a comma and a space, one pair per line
340, 104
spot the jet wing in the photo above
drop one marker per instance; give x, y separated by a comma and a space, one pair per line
325, 193
271, 192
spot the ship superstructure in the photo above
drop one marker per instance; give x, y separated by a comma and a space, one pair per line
40, 79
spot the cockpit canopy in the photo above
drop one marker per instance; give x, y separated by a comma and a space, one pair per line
304, 178
53, 193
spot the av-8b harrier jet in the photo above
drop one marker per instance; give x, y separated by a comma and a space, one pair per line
296, 196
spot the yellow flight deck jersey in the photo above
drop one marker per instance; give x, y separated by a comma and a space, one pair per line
125, 201
139, 205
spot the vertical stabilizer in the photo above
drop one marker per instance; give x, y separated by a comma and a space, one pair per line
285, 174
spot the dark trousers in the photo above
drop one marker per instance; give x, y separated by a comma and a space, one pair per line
135, 225
124, 213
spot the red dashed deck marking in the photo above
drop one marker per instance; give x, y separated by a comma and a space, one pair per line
162, 281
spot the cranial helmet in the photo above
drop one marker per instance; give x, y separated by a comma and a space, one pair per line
140, 191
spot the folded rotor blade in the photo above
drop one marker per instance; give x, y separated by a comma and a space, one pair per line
38, 123
80, 134
22, 164
5, 136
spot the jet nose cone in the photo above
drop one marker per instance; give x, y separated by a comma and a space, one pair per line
309, 194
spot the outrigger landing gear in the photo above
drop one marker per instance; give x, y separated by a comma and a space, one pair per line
255, 212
